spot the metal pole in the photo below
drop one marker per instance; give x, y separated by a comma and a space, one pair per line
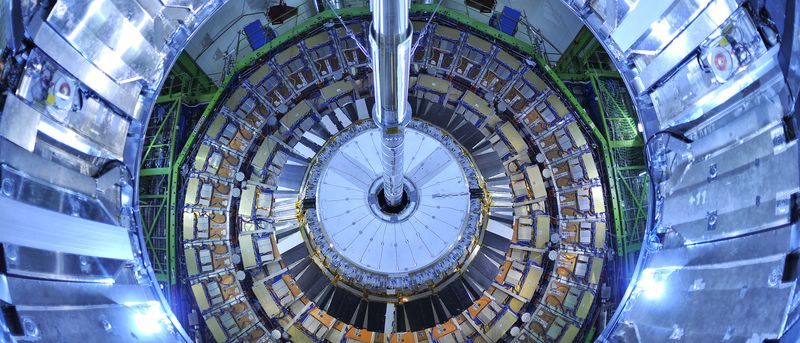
391, 57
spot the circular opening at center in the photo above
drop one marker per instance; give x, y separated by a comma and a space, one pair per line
409, 200
389, 209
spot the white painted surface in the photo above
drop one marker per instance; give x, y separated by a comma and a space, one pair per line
377, 245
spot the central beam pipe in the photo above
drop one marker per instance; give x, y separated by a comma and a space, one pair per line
390, 38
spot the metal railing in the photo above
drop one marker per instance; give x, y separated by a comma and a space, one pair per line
526, 32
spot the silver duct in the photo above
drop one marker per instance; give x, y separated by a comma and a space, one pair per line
390, 38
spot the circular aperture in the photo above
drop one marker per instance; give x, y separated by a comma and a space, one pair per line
381, 209
388, 208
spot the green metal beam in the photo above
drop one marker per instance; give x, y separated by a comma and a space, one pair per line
192, 69
585, 60
578, 52
155, 199
585, 74
171, 254
590, 336
153, 196
198, 98
187, 81
629, 230
630, 197
185, 84
155, 171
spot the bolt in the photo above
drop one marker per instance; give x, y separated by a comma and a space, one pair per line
12, 252
774, 278
8, 186
106, 325
712, 220
30, 327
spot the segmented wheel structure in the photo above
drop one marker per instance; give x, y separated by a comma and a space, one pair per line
503, 222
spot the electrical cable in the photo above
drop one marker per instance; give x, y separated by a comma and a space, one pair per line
350, 33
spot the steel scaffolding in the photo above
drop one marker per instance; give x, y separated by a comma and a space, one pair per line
585, 61
185, 85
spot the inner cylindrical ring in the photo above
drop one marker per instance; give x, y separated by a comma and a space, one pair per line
393, 213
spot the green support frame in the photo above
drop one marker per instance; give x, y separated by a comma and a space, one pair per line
630, 170
154, 187
585, 60
186, 81
186, 84
577, 55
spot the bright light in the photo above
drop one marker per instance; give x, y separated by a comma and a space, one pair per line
148, 320
660, 29
650, 285
124, 198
